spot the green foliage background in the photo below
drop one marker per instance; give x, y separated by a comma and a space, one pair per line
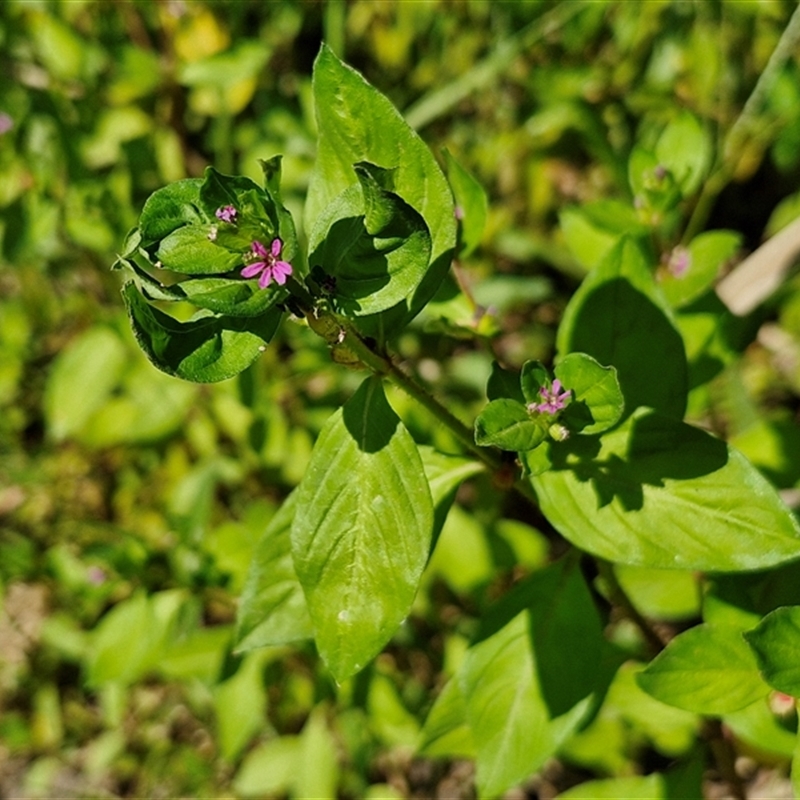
130, 502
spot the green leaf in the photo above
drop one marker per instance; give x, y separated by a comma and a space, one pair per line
682, 781
229, 296
462, 558
504, 383
706, 255
592, 230
564, 621
446, 732
656, 192
642, 165
132, 637
218, 190
317, 773
708, 669
273, 607
188, 250
671, 731
81, 380
375, 245
390, 720
760, 728
645, 787
512, 727
607, 318
534, 376
129, 415
297, 766
270, 769
659, 493
171, 208
507, 424
198, 656
445, 474
178, 229
361, 534
661, 594
685, 149
597, 402
205, 349
220, 70
239, 706
471, 202
776, 643
357, 123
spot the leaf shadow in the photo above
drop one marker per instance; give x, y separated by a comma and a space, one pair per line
617, 324
170, 343
658, 449
369, 418
349, 254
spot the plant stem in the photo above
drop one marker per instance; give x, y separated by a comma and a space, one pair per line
340, 333
385, 365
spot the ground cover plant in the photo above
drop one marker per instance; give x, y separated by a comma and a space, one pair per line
382, 484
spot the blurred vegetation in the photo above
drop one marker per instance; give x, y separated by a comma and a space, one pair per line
130, 502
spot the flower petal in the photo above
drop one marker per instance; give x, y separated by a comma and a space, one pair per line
259, 249
277, 244
251, 270
266, 277
281, 270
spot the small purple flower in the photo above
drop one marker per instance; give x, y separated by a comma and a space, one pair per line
96, 575
6, 123
268, 264
458, 213
226, 214
554, 399
680, 260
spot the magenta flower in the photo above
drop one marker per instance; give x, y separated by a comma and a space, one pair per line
554, 399
680, 260
268, 264
226, 214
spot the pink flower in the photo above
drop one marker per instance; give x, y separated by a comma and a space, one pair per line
680, 260
268, 264
554, 399
226, 214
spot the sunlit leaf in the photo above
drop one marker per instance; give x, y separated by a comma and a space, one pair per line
357, 123
659, 493
776, 643
203, 350
508, 424
362, 530
707, 669
472, 205
273, 609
